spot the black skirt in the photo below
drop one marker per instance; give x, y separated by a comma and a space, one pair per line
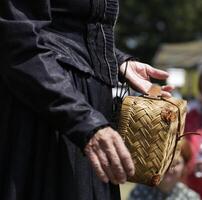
38, 162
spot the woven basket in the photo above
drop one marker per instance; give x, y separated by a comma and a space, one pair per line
151, 127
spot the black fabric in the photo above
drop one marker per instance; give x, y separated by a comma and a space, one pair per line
52, 72
122, 57
38, 162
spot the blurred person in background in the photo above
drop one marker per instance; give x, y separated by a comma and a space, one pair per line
171, 187
194, 124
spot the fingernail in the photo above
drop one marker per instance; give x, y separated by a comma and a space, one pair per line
131, 172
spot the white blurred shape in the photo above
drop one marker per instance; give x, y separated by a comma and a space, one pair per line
176, 77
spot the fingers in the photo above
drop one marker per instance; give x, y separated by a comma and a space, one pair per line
125, 156
156, 73
119, 155
143, 88
109, 156
115, 169
96, 164
116, 166
118, 175
139, 74
166, 94
105, 163
168, 88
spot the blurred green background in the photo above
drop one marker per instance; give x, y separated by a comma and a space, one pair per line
166, 34
144, 25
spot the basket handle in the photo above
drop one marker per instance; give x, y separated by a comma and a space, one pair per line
154, 92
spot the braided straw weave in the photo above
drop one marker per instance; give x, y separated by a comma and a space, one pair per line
150, 128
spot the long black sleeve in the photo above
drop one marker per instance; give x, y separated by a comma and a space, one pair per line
31, 71
122, 57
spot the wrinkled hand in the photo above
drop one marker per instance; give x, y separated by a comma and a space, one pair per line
109, 156
138, 75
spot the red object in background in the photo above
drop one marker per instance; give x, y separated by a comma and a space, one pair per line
194, 124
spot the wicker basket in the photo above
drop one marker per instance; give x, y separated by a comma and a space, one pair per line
151, 127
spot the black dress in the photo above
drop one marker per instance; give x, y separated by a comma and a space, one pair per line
58, 65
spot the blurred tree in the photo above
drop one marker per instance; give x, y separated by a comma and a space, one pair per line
143, 25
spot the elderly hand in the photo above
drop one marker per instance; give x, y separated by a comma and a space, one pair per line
138, 75
109, 156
